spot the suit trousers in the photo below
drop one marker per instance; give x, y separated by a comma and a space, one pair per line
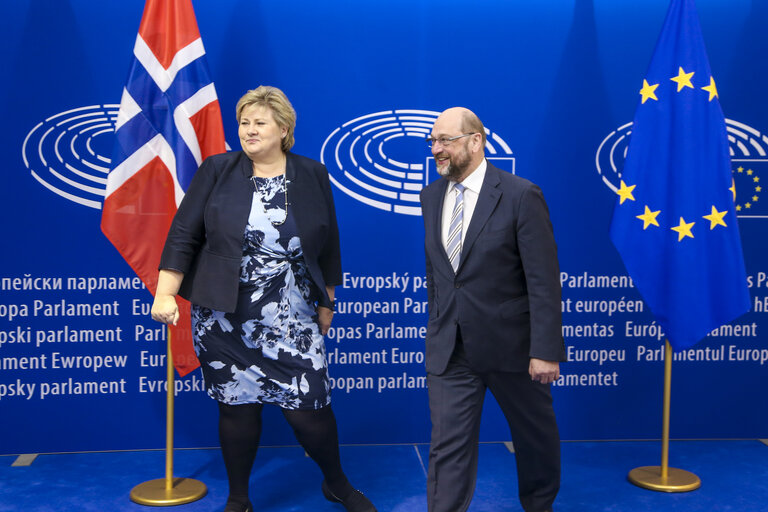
456, 402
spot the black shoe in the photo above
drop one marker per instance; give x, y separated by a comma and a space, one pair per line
354, 502
235, 506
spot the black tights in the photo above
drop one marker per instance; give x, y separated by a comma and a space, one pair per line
240, 430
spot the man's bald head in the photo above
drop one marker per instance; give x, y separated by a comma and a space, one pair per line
465, 120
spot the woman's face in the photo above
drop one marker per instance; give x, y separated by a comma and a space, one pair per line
260, 136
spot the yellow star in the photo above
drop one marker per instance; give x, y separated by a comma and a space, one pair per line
648, 91
747, 205
758, 188
740, 169
716, 218
733, 188
711, 89
749, 172
649, 217
754, 198
756, 179
683, 79
625, 192
684, 229
738, 207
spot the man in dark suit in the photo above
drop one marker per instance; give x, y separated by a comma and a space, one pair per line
494, 317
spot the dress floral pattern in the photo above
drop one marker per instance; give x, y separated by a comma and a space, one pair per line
270, 349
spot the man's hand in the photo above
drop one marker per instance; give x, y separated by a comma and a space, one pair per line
543, 371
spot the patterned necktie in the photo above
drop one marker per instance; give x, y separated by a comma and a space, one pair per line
454, 231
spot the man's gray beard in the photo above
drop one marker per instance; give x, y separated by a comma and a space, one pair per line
454, 172
458, 165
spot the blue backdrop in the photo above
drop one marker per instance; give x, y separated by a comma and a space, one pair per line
555, 82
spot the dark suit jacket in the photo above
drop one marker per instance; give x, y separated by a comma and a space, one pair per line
505, 295
205, 240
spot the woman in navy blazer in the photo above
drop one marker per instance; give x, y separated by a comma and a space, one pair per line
261, 299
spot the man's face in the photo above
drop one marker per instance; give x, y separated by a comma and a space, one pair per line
452, 159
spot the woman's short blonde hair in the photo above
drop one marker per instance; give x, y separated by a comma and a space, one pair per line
275, 100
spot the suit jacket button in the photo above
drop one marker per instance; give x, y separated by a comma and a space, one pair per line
457, 285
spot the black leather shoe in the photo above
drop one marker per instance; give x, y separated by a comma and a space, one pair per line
234, 506
355, 502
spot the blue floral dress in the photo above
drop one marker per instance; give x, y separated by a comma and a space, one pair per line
270, 349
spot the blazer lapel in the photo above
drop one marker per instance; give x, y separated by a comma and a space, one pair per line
306, 203
486, 202
296, 194
433, 220
241, 193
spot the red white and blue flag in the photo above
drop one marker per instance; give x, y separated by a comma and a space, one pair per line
169, 121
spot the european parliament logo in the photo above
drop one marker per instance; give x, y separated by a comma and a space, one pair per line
749, 164
382, 159
66, 153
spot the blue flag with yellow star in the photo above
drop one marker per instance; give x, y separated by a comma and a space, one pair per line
674, 222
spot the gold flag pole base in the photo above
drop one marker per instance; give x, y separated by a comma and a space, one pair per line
156, 492
664, 478
164, 492
677, 480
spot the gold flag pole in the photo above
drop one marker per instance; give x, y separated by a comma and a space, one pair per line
663, 478
163, 492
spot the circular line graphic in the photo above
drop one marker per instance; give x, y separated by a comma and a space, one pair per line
62, 153
382, 159
749, 156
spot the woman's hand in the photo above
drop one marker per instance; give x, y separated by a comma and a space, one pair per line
165, 310
324, 317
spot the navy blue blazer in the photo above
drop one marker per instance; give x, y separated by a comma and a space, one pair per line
205, 241
505, 295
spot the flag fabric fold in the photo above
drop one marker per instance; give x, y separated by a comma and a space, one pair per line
169, 121
674, 221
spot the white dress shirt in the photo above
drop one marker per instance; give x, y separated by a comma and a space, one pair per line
473, 183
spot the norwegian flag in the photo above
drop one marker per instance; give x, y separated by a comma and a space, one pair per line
169, 121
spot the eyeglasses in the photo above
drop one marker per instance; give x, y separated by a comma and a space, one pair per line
446, 141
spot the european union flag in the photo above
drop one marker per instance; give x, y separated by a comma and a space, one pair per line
674, 222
